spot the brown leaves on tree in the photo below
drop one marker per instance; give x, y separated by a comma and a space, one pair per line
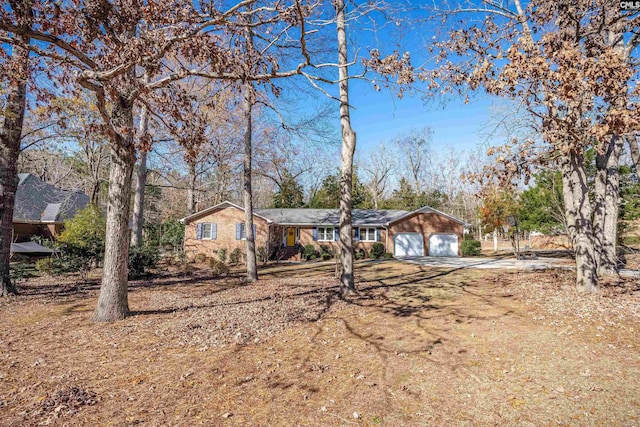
394, 67
558, 60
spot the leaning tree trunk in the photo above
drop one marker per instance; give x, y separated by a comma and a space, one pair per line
10, 135
141, 182
579, 221
247, 192
605, 218
347, 282
113, 301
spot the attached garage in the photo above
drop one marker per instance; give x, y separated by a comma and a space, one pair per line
425, 232
408, 244
443, 244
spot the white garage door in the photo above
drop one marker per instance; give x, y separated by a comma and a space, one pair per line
443, 245
408, 244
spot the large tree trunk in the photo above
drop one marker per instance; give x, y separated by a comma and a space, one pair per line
141, 182
607, 195
113, 301
579, 220
247, 193
347, 283
10, 136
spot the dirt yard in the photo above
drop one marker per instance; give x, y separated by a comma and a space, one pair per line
416, 346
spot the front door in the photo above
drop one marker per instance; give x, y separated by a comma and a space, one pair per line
291, 236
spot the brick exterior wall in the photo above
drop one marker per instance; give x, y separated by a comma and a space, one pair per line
426, 224
306, 237
226, 220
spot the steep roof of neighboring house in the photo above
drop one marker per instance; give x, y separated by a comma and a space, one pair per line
303, 216
39, 202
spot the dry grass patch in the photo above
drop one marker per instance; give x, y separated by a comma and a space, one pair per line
416, 346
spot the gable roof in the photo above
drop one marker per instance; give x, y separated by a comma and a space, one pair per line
40, 202
304, 216
222, 205
429, 209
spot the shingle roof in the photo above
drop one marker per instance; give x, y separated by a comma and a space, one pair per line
329, 216
37, 201
304, 216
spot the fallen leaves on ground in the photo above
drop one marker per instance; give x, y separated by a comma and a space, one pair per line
414, 346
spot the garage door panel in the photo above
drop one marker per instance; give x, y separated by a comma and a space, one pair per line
408, 245
443, 245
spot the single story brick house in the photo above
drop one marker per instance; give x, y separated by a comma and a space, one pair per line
424, 231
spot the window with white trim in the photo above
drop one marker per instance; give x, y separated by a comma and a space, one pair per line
242, 235
368, 234
325, 234
206, 231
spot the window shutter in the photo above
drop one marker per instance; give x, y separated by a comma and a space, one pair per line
336, 234
238, 231
214, 231
315, 233
356, 234
378, 235
198, 231
255, 229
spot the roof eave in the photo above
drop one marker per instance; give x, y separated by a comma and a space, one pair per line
35, 221
284, 224
218, 206
429, 209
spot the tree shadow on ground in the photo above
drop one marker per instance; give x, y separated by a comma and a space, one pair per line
70, 287
381, 287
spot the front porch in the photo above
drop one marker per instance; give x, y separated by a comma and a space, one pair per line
285, 243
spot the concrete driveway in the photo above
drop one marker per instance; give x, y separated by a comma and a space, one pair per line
504, 263
491, 263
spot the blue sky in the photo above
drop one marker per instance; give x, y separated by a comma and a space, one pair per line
379, 117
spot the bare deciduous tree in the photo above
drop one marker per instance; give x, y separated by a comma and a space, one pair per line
104, 46
570, 78
377, 168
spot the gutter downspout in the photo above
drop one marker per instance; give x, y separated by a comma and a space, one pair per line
386, 243
268, 242
184, 240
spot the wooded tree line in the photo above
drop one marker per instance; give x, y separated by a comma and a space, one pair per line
286, 174
181, 87
180, 62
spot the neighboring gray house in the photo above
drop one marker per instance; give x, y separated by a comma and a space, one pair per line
41, 209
